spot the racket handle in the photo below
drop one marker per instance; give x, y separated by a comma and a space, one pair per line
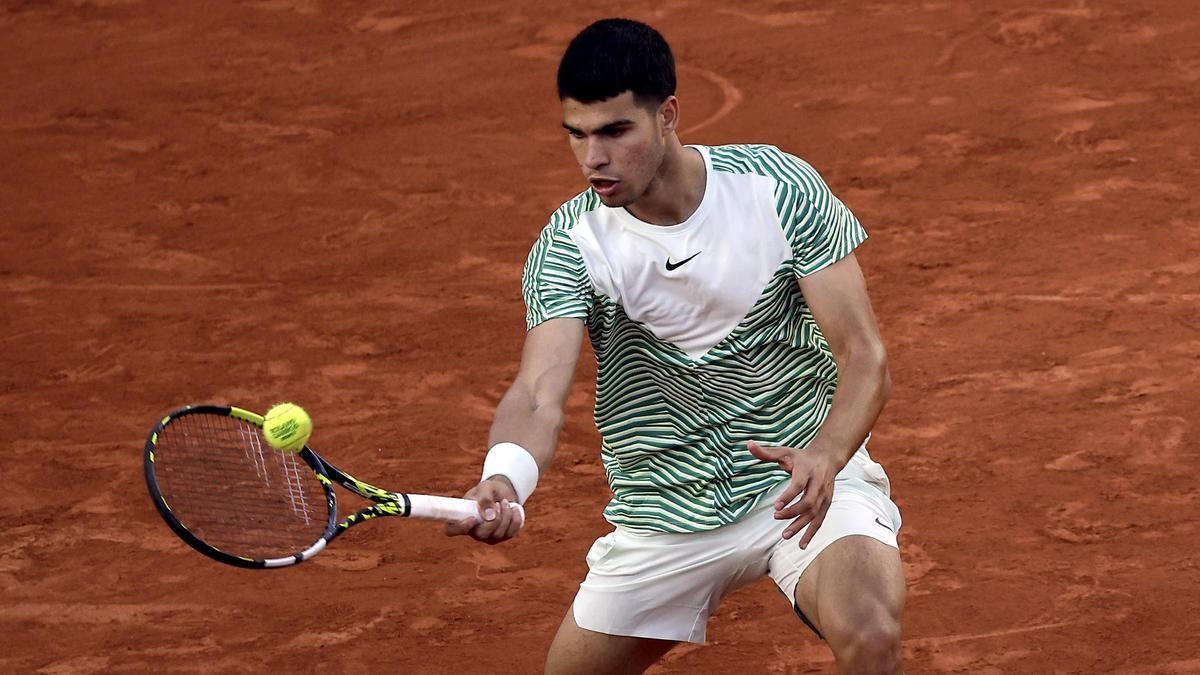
450, 509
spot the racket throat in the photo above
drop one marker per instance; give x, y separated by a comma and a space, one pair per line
299, 557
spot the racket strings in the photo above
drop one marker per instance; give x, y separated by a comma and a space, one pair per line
295, 484
251, 442
235, 493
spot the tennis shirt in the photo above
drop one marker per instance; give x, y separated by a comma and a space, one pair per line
703, 340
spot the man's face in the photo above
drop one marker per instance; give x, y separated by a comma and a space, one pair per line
618, 143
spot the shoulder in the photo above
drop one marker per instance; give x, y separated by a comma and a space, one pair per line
790, 173
555, 242
567, 216
800, 192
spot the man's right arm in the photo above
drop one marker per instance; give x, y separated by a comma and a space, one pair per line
530, 415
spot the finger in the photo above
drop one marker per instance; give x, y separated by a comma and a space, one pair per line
797, 525
514, 525
767, 453
520, 515
461, 527
813, 527
810, 515
488, 516
807, 505
504, 516
464, 526
796, 486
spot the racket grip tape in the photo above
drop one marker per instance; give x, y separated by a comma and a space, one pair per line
450, 509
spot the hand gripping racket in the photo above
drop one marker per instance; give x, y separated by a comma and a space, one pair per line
234, 498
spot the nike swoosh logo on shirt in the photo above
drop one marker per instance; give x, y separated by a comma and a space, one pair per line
672, 266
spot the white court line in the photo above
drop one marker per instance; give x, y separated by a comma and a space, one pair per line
964, 637
146, 287
731, 94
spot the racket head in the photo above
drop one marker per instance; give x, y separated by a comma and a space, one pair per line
229, 495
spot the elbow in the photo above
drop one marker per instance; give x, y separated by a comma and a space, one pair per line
879, 363
870, 359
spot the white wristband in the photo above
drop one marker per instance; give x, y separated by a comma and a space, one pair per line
514, 463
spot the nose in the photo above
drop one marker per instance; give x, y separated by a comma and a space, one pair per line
595, 156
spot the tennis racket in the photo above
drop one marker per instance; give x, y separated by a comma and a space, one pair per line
235, 499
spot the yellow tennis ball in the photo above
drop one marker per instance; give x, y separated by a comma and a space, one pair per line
287, 427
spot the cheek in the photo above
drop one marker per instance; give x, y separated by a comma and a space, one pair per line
644, 160
577, 149
635, 158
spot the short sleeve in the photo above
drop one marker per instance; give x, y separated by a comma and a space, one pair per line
819, 227
555, 283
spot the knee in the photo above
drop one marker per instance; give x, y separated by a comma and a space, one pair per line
870, 646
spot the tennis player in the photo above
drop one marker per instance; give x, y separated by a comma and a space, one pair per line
740, 370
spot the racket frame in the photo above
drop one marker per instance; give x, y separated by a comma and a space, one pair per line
384, 502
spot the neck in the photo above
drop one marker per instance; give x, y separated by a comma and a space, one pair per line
677, 188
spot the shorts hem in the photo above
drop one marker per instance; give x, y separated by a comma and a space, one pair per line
668, 619
815, 553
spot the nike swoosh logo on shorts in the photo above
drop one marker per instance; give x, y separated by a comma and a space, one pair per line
883, 524
672, 266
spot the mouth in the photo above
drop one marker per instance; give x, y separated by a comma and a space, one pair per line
604, 186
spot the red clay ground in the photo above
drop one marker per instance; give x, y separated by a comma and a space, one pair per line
330, 202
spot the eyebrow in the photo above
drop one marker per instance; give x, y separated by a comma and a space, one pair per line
611, 126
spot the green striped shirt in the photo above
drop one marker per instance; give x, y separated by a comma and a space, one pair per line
679, 392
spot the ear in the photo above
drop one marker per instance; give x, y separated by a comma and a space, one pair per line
668, 114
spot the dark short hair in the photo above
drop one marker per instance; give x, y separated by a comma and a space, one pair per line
613, 56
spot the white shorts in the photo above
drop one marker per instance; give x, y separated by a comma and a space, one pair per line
665, 586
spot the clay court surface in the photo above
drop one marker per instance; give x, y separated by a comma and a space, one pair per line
248, 202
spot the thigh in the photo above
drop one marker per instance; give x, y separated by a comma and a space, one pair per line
855, 582
860, 514
578, 650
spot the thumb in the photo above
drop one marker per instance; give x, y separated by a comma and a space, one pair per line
486, 498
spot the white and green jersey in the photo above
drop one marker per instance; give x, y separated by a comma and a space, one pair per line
702, 337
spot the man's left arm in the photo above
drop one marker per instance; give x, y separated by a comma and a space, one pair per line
837, 296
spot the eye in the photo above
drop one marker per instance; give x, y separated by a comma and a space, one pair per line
613, 133
574, 134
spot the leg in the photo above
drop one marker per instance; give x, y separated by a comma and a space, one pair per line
580, 651
854, 594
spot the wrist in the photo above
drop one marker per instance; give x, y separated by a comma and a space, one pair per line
515, 465
829, 451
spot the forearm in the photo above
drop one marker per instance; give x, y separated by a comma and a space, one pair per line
530, 423
864, 385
